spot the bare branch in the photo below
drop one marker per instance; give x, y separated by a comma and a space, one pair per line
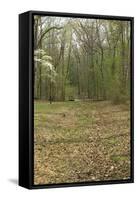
45, 32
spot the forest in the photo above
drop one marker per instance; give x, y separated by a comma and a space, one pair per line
81, 99
81, 59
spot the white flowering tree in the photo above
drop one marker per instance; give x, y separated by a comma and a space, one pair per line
44, 62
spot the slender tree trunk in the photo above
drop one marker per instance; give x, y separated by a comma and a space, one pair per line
40, 67
102, 75
123, 64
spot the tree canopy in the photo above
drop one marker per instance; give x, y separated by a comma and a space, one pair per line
78, 58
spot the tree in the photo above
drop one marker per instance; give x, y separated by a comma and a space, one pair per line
47, 69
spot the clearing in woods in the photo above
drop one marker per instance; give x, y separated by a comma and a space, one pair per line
81, 141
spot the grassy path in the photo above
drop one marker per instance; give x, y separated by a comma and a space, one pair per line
81, 141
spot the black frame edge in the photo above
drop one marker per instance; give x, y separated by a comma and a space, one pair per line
132, 100
24, 146
80, 15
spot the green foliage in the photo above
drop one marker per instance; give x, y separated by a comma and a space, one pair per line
70, 92
82, 58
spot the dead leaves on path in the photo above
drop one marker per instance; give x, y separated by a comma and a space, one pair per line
91, 143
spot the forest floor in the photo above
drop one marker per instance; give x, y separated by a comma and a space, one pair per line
81, 141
